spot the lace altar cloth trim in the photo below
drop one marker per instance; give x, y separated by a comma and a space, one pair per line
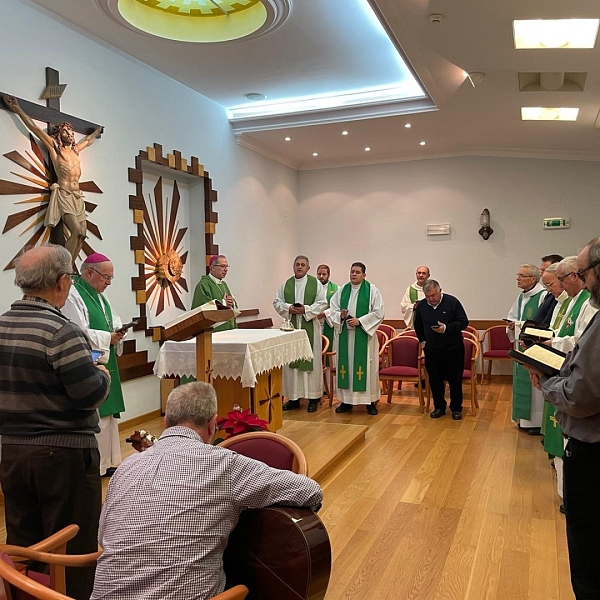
242, 353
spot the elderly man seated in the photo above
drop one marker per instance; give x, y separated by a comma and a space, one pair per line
169, 510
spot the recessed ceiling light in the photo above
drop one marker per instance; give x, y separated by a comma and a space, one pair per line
344, 133
539, 113
315, 154
408, 125
555, 33
287, 139
421, 143
255, 97
367, 149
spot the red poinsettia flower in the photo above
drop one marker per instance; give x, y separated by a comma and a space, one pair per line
241, 421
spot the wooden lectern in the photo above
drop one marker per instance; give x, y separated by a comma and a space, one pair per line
198, 323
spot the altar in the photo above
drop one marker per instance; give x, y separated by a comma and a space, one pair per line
246, 367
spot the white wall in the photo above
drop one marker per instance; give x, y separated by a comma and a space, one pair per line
139, 106
377, 214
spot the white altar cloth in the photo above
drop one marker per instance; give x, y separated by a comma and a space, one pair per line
242, 353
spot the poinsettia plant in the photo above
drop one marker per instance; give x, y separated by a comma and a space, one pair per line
241, 421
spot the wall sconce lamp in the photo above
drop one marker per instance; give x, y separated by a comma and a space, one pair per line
484, 221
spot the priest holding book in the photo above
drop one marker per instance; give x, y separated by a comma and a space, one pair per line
88, 307
213, 287
575, 394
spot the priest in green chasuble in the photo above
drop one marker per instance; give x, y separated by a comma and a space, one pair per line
88, 307
213, 287
323, 274
301, 299
356, 312
527, 414
568, 322
413, 295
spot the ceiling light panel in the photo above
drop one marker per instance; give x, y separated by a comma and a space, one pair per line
540, 113
555, 33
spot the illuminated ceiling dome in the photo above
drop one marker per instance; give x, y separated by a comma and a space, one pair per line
202, 20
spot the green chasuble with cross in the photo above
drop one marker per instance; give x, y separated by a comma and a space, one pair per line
207, 290
521, 405
100, 318
361, 341
328, 330
553, 435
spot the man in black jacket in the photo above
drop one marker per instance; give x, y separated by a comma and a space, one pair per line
439, 321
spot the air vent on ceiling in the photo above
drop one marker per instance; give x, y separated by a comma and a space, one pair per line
552, 82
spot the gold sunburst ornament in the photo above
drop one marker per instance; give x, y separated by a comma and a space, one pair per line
163, 247
38, 181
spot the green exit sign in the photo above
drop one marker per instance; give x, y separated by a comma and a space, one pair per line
557, 223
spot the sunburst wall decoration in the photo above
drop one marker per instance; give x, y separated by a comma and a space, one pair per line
163, 247
39, 179
160, 244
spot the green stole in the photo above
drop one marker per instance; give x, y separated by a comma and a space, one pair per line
561, 313
100, 317
299, 322
361, 341
328, 330
413, 294
208, 290
553, 435
521, 405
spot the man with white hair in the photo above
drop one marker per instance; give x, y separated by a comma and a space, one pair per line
527, 415
575, 394
170, 509
49, 392
88, 307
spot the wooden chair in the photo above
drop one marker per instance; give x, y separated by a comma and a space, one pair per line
383, 338
498, 347
470, 368
17, 582
389, 331
271, 448
404, 364
239, 592
328, 367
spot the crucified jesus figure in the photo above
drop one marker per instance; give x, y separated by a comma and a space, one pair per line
66, 200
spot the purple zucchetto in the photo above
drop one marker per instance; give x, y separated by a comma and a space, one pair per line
96, 257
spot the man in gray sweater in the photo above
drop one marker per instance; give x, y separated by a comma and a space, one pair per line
49, 391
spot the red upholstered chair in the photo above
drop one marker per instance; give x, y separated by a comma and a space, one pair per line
271, 448
389, 331
403, 364
497, 349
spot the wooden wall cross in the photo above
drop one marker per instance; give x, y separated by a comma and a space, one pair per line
51, 113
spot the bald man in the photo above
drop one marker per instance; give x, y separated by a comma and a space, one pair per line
413, 295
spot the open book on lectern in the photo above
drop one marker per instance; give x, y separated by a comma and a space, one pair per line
545, 359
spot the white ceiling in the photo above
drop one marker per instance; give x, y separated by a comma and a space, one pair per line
332, 46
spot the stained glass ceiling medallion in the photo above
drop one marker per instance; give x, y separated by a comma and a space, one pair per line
204, 21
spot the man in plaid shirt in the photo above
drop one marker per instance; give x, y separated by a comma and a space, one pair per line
169, 510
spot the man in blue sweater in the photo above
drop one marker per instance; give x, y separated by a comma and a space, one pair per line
439, 322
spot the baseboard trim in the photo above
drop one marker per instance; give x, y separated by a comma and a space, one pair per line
140, 419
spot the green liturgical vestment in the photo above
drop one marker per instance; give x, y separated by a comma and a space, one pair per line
100, 317
553, 435
207, 290
521, 407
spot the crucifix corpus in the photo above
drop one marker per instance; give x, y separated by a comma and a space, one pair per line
66, 200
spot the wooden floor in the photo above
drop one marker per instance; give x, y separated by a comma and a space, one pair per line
437, 509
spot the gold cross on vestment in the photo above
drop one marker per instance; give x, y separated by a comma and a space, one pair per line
360, 373
554, 421
343, 372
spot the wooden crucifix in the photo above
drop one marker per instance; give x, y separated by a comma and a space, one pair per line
66, 200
